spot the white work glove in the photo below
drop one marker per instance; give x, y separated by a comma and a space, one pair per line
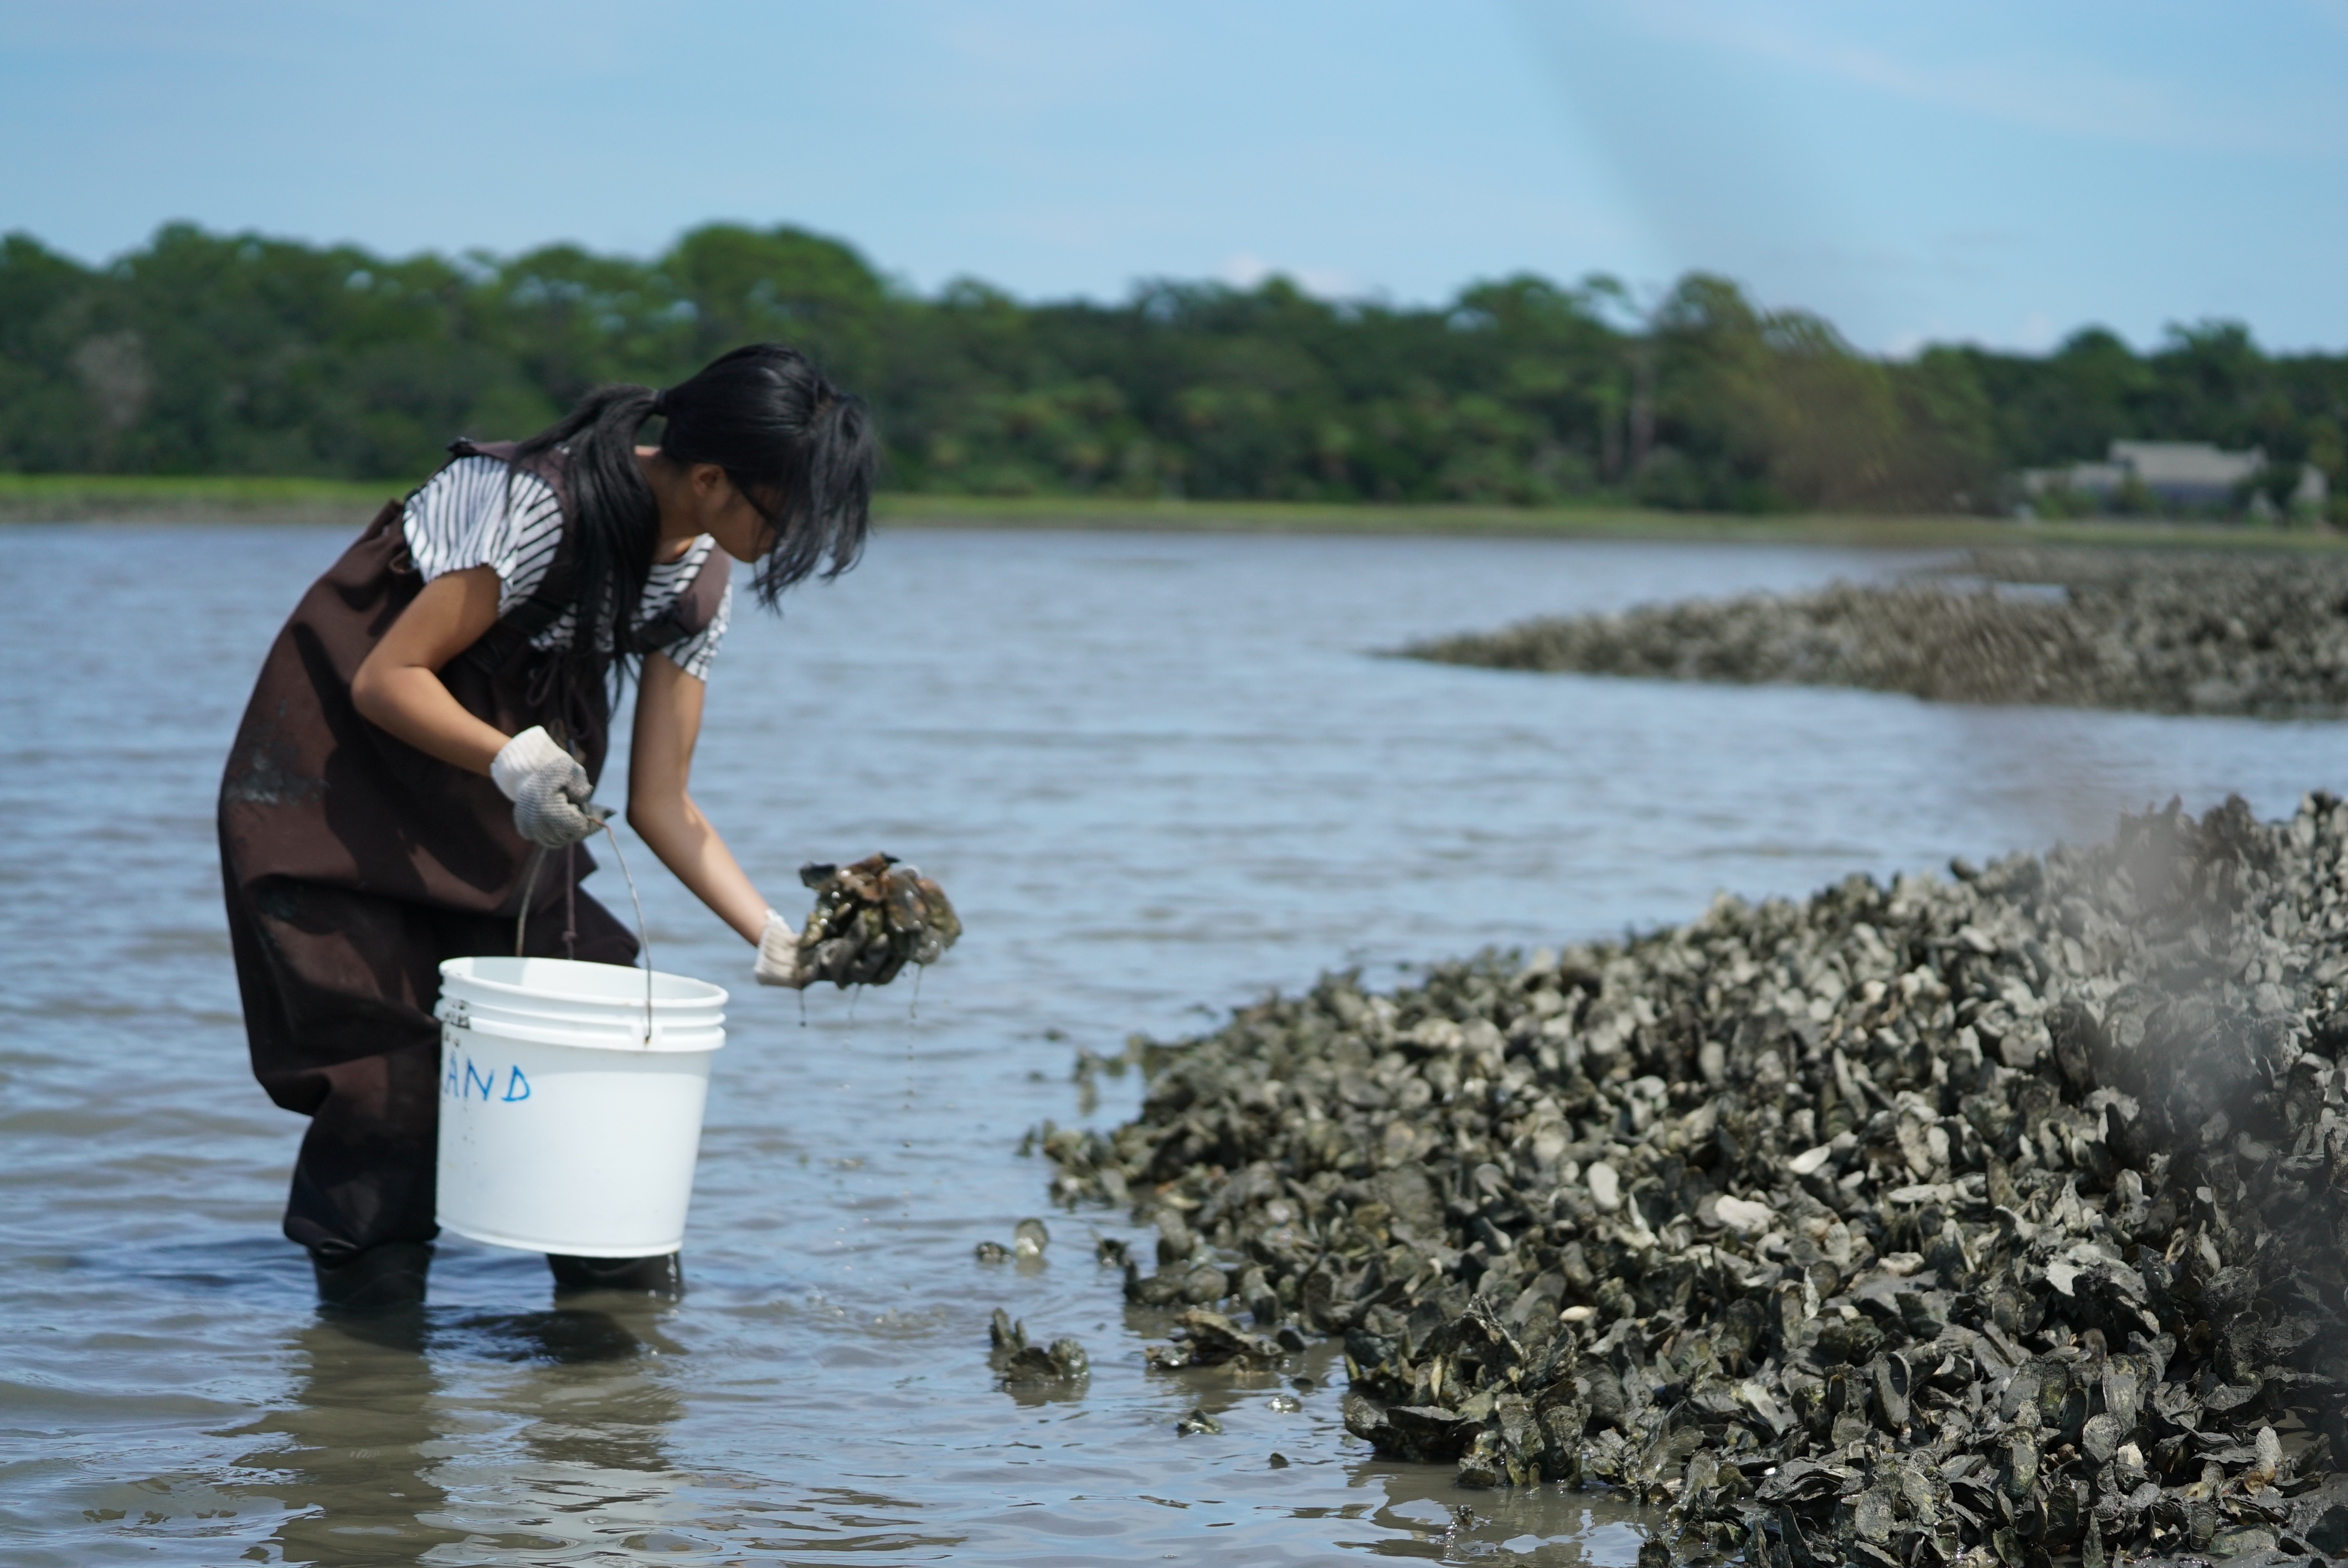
548, 788
778, 954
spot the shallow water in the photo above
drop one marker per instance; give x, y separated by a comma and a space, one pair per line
1157, 773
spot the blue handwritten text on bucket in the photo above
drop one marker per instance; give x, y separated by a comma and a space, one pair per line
466, 1081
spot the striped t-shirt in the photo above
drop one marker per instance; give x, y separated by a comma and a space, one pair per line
465, 516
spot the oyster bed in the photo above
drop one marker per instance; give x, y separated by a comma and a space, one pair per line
1990, 1219
2166, 631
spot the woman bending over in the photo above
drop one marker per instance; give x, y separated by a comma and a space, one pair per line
413, 775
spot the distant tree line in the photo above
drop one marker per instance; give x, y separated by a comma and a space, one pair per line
213, 353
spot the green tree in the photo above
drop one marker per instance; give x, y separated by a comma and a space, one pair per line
202, 352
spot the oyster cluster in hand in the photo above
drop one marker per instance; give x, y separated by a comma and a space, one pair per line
871, 920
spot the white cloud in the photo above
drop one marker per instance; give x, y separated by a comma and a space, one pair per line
1246, 269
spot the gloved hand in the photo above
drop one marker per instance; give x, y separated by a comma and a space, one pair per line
548, 788
778, 954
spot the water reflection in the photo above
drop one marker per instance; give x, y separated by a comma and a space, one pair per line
1042, 1393
583, 1416
381, 1406
353, 1448
1550, 1525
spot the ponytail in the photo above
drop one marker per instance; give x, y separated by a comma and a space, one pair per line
615, 521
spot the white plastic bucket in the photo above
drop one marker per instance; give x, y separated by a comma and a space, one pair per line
562, 1129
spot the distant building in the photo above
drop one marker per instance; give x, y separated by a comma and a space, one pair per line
2187, 473
2184, 476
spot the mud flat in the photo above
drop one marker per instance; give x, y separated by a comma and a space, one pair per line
1996, 1218
2163, 631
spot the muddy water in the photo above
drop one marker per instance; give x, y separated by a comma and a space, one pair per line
1157, 773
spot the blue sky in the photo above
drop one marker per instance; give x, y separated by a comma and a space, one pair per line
1994, 171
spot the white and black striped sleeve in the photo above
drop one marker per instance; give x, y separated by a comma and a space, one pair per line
692, 654
468, 515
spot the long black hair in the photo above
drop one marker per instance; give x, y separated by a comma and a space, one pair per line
799, 449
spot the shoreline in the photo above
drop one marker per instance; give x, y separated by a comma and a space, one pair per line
147, 500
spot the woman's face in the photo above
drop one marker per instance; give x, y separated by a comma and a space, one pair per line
727, 515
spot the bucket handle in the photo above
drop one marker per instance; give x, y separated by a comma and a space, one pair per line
643, 937
529, 892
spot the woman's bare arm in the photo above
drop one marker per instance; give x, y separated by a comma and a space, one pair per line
660, 762
399, 687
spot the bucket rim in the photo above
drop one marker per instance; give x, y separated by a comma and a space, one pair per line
715, 995
669, 1037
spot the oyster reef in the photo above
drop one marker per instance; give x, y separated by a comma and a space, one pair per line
2165, 631
1993, 1219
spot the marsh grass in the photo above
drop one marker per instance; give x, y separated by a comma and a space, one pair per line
156, 498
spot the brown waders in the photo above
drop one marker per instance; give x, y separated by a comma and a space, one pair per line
355, 863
